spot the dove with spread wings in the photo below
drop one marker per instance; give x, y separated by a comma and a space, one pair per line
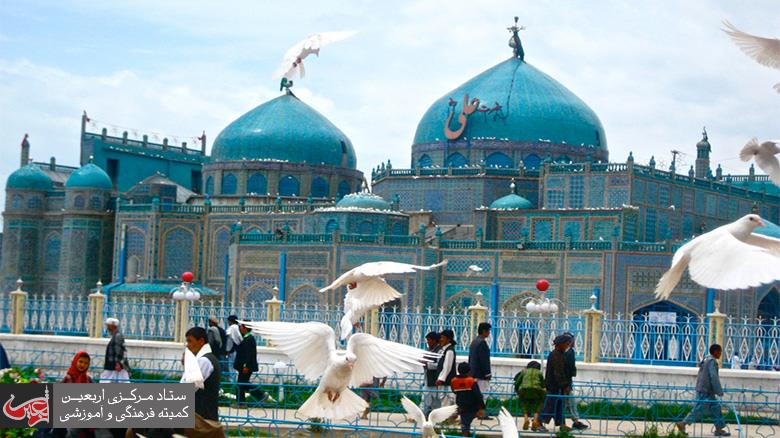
367, 289
293, 60
729, 257
312, 348
765, 51
435, 417
764, 155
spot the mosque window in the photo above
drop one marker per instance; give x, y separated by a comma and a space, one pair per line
456, 159
425, 161
95, 203
221, 243
289, 186
34, 202
16, 201
398, 229
257, 183
209, 186
78, 201
51, 262
576, 191
319, 188
306, 295
229, 184
554, 199
331, 226
531, 161
650, 221
366, 227
343, 189
177, 254
498, 159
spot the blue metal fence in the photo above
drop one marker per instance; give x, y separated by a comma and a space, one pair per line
56, 316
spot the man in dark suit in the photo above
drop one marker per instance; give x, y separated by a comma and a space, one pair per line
245, 362
479, 360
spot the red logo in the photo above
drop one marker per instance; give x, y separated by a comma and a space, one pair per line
36, 410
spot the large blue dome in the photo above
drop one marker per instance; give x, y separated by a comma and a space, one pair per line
29, 177
284, 129
517, 103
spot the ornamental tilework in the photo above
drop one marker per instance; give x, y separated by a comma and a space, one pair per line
528, 266
711, 201
511, 229
462, 265
542, 229
178, 252
578, 298
571, 228
554, 182
52, 254
554, 199
584, 268
296, 282
617, 197
618, 180
596, 192
602, 229
305, 295
259, 259
576, 191
256, 288
351, 259
219, 249
434, 200
308, 260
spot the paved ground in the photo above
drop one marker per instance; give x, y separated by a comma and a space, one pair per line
280, 421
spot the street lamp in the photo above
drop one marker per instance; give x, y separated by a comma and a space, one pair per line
542, 306
185, 291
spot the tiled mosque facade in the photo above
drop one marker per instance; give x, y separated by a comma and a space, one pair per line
509, 172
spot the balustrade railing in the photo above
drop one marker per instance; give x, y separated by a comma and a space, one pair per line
756, 342
143, 318
57, 316
5, 313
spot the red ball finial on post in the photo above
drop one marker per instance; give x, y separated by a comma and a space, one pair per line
542, 285
187, 277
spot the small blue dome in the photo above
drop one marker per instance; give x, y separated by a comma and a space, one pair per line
769, 229
363, 200
29, 177
511, 201
284, 129
89, 176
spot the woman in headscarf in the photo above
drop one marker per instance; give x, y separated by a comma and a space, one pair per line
77, 373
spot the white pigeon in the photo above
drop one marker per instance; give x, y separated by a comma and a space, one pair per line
367, 289
765, 51
473, 269
192, 372
312, 348
764, 154
726, 258
435, 417
293, 59
507, 423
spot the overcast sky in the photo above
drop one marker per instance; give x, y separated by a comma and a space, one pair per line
655, 72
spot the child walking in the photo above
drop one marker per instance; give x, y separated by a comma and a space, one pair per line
468, 398
529, 386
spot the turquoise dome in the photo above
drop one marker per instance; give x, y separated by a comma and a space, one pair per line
511, 201
89, 176
769, 229
517, 103
29, 177
363, 200
284, 129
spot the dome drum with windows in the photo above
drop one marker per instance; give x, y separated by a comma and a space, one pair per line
511, 115
283, 147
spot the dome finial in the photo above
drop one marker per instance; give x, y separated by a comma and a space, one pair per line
513, 187
91, 158
514, 41
704, 133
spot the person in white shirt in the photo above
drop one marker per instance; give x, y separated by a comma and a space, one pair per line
446, 366
736, 362
233, 337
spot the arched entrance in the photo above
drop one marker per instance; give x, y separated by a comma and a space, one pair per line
769, 307
666, 333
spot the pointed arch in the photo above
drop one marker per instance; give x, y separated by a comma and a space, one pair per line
220, 243
257, 183
289, 186
343, 189
319, 188
515, 302
456, 159
769, 306
229, 184
425, 161
178, 248
532, 161
460, 301
307, 295
498, 159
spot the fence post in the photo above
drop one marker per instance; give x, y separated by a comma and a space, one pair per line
18, 299
372, 321
717, 324
477, 314
181, 320
593, 320
273, 309
95, 315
